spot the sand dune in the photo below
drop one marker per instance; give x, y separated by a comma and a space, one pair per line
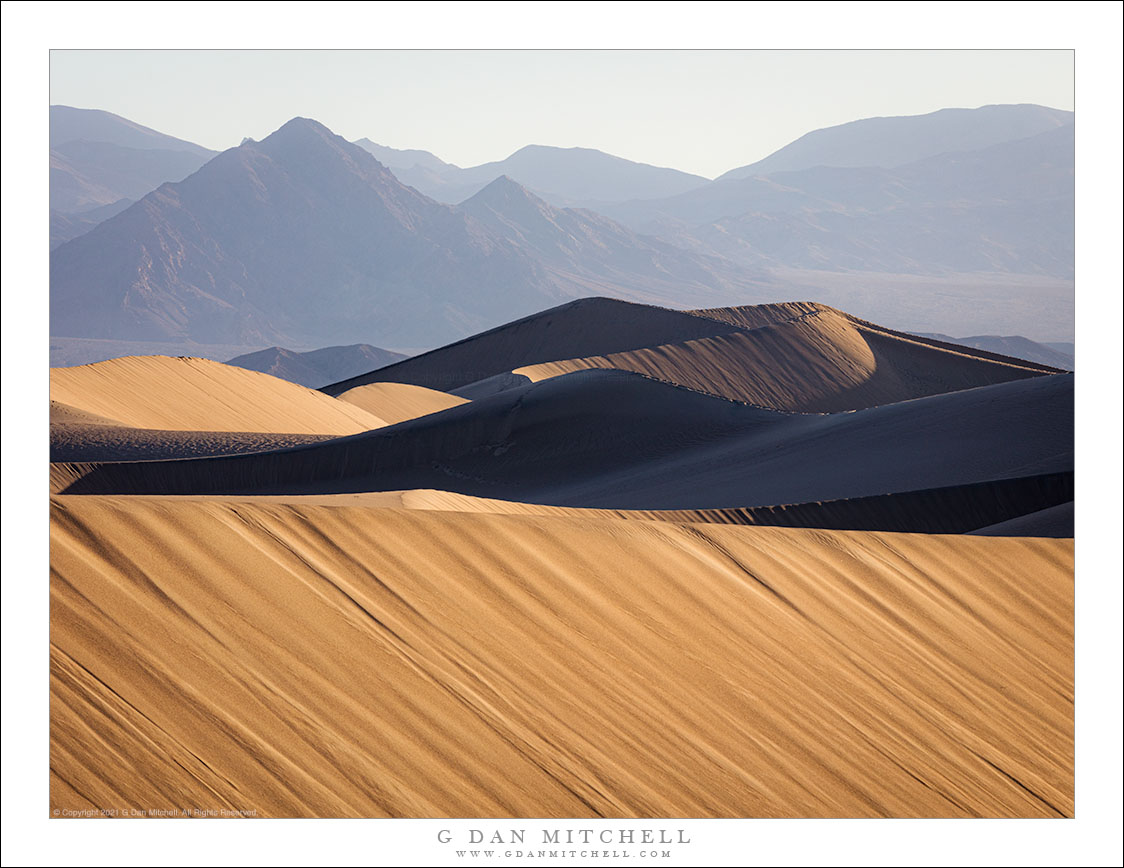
1054, 521
747, 316
956, 509
305, 661
588, 326
397, 402
821, 362
987, 506
611, 439
792, 356
64, 414
187, 394
593, 589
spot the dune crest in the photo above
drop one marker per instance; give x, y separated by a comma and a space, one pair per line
798, 357
587, 326
819, 361
398, 402
189, 394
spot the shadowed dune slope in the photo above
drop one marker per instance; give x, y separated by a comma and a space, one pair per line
1054, 521
398, 402
821, 362
617, 440
187, 394
100, 442
311, 661
588, 326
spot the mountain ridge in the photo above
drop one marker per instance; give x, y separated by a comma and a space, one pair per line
306, 238
896, 140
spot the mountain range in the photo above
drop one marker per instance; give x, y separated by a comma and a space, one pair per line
102, 162
1008, 207
304, 239
580, 177
895, 141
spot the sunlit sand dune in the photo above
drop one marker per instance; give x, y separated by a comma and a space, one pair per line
187, 394
397, 402
820, 362
316, 661
64, 414
792, 356
587, 326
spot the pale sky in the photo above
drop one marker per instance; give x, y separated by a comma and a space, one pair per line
701, 111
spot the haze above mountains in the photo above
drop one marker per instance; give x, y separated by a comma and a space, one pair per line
305, 240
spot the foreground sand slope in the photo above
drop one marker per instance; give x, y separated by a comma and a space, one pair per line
318, 661
187, 394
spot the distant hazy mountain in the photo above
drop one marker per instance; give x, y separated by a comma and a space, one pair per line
93, 125
587, 249
100, 162
304, 238
393, 158
87, 175
66, 226
1066, 348
1007, 207
318, 368
563, 176
301, 238
1013, 345
895, 141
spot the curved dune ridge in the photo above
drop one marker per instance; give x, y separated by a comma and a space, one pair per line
587, 326
994, 508
998, 508
611, 439
188, 394
794, 356
313, 661
749, 317
819, 362
398, 402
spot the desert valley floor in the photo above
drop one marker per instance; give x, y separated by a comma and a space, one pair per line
609, 560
